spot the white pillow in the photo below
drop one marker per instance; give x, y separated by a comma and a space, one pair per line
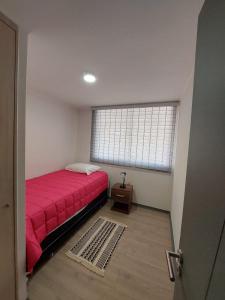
82, 168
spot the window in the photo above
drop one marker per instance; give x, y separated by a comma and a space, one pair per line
134, 135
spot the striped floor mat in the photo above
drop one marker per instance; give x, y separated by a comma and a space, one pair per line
95, 247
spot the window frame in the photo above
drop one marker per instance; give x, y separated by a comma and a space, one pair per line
141, 105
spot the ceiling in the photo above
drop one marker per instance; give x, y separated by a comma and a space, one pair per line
140, 50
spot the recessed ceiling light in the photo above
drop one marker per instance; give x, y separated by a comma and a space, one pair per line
89, 78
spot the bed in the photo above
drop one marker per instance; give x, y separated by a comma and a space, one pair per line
55, 203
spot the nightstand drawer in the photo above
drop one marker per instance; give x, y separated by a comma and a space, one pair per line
120, 195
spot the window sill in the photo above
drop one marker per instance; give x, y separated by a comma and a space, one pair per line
168, 172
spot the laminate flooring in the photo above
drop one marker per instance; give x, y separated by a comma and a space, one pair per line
137, 269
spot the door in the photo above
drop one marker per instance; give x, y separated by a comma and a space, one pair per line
204, 205
7, 128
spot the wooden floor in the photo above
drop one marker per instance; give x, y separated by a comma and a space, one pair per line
137, 269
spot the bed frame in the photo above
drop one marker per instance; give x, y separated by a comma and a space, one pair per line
55, 239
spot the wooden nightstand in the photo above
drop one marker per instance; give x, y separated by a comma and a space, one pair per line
122, 198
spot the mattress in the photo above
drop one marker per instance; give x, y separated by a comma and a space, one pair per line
54, 198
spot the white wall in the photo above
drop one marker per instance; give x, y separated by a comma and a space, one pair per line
151, 188
180, 169
20, 167
51, 129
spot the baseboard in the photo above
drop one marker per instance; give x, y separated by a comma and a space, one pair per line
160, 210
163, 211
151, 207
171, 230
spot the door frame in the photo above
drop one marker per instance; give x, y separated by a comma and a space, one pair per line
14, 27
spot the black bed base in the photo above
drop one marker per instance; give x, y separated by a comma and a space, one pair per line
55, 239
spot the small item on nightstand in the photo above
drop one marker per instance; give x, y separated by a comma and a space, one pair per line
122, 197
123, 176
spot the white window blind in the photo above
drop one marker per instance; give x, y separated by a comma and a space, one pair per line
134, 135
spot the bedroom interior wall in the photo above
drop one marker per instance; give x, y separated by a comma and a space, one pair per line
151, 188
51, 132
180, 168
181, 158
20, 168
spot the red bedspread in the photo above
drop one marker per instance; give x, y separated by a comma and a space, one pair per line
52, 199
